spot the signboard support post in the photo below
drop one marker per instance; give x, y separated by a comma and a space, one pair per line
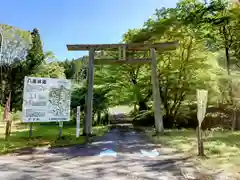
201, 111
200, 141
60, 128
30, 129
78, 122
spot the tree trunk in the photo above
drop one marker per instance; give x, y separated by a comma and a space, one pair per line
234, 119
99, 118
8, 129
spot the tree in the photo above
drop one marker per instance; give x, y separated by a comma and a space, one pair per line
181, 71
35, 55
34, 59
100, 100
15, 45
69, 68
49, 68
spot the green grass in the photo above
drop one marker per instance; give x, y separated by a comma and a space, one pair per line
43, 135
222, 148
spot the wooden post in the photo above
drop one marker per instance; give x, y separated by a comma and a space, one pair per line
200, 142
85, 126
60, 123
90, 91
156, 95
30, 129
85, 122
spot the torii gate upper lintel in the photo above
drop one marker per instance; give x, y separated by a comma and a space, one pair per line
122, 48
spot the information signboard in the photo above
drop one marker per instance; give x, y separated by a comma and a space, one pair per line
46, 99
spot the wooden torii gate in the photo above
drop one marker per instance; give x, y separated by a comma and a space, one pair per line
123, 48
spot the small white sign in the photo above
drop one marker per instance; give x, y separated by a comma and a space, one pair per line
46, 99
202, 97
78, 122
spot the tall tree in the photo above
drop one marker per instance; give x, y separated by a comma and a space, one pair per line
15, 44
14, 50
35, 55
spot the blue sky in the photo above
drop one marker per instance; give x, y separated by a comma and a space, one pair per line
62, 22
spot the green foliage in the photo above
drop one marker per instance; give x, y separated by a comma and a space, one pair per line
144, 118
43, 135
207, 58
15, 44
198, 28
220, 146
34, 64
49, 69
69, 68
100, 100
78, 97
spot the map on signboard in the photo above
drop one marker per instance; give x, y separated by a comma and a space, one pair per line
59, 100
46, 99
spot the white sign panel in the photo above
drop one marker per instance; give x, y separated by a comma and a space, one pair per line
202, 97
46, 99
78, 122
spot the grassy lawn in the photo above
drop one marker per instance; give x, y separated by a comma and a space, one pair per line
222, 148
43, 135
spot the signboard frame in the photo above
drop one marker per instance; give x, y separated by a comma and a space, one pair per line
46, 100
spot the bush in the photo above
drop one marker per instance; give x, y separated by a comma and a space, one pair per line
187, 118
146, 118
13, 116
16, 116
105, 119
